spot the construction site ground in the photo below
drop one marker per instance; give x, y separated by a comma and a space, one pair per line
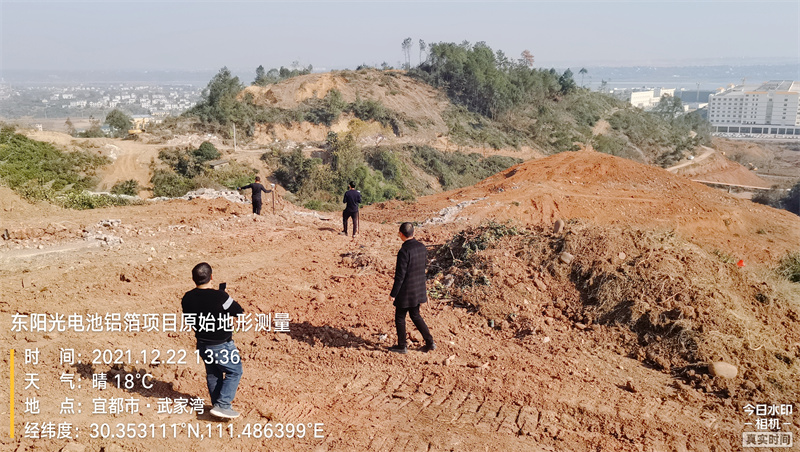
567, 386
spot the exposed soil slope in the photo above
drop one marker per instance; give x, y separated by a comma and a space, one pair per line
608, 190
564, 383
717, 168
412, 99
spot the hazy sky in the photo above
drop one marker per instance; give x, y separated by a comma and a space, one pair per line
192, 35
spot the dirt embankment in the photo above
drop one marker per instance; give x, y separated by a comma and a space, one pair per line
609, 190
717, 168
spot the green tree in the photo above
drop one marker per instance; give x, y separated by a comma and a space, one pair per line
484, 81
295, 169
583, 72
567, 82
261, 77
669, 107
206, 152
346, 155
119, 122
219, 104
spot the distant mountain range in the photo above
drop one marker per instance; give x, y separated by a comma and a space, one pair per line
710, 77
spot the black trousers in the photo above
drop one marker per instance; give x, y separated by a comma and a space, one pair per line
400, 324
257, 207
345, 216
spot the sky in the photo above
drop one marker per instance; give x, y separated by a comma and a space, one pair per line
194, 35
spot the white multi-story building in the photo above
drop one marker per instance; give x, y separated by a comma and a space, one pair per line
649, 98
642, 99
770, 108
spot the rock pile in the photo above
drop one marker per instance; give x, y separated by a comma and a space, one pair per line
448, 214
209, 193
98, 233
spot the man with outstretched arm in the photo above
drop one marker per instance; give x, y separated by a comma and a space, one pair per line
215, 344
409, 291
257, 189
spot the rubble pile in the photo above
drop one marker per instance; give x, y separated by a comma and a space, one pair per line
209, 193
101, 232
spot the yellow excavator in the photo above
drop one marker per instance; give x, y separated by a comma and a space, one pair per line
134, 133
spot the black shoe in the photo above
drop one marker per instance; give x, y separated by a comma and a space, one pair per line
428, 348
398, 349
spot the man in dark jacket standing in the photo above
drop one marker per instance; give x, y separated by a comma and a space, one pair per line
409, 291
257, 189
352, 198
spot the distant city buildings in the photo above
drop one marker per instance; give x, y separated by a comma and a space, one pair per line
770, 108
84, 100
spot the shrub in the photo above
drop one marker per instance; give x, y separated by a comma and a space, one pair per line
231, 176
294, 169
789, 267
84, 200
373, 110
781, 199
206, 152
189, 163
457, 169
187, 171
128, 187
314, 204
389, 164
326, 110
772, 198
167, 183
609, 144
471, 129
40, 171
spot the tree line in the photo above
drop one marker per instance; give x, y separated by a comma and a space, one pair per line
489, 82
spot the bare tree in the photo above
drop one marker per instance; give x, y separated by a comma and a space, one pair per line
70, 127
407, 52
583, 72
527, 58
421, 49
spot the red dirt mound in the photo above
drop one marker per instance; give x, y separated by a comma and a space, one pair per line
609, 190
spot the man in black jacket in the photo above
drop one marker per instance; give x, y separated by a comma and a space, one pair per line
210, 310
409, 291
257, 189
352, 198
